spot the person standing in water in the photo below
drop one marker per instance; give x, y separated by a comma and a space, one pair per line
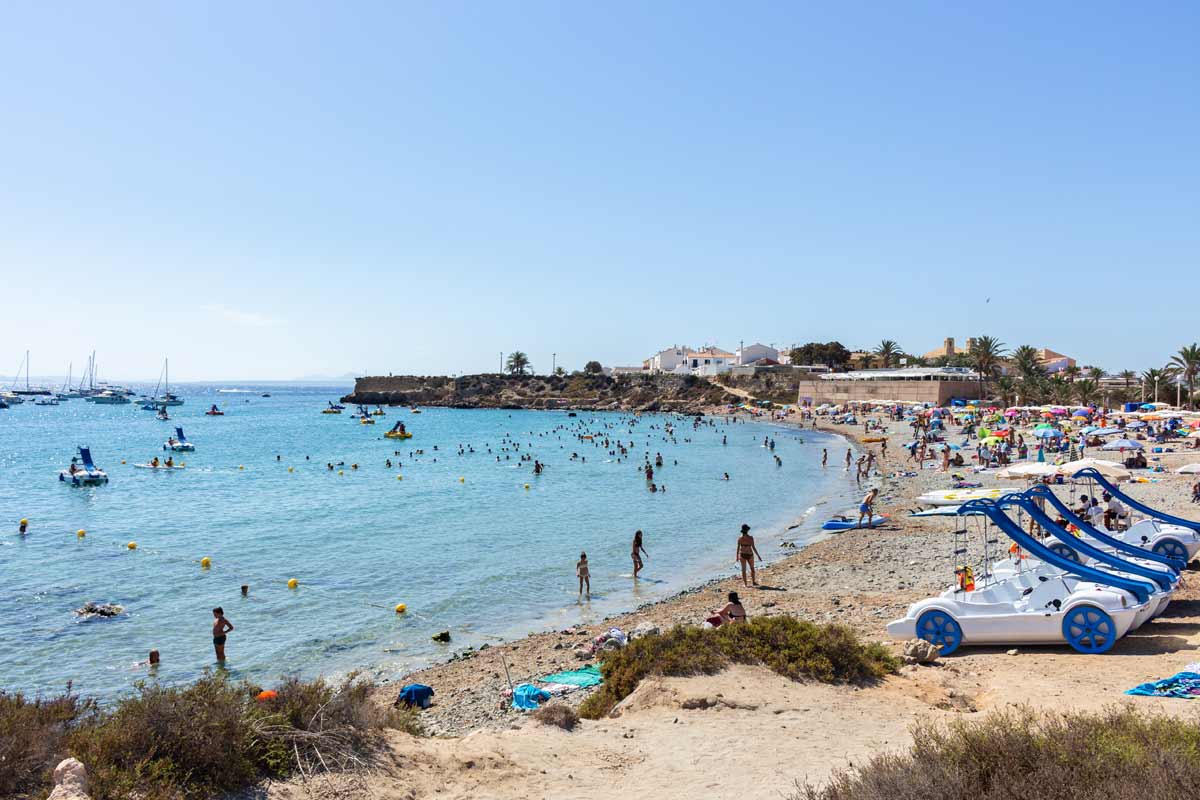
746, 551
584, 574
221, 626
824, 456
849, 456
637, 558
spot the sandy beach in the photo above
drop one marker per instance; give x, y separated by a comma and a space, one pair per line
672, 736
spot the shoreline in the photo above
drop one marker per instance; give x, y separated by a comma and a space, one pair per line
463, 704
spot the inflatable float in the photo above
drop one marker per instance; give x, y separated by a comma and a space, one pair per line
850, 523
398, 435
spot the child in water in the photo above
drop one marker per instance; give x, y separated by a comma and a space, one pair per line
221, 626
585, 578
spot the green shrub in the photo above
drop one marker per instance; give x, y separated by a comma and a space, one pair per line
1119, 754
202, 740
33, 739
791, 647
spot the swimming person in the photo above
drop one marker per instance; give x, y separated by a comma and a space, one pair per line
637, 559
585, 576
867, 507
221, 626
746, 551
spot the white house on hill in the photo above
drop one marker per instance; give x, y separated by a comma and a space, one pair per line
750, 353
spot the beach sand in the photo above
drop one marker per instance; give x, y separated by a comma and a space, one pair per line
766, 732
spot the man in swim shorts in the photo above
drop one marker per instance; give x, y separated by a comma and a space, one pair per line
221, 626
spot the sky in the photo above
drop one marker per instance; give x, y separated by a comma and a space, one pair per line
273, 190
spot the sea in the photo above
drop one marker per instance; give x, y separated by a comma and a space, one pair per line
458, 529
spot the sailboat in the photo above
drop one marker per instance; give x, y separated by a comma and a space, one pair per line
28, 390
67, 392
167, 399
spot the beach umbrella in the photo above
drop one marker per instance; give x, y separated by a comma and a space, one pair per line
1081, 413
1109, 469
1047, 433
1122, 444
1194, 435
990, 440
1012, 412
1148, 407
1189, 469
1030, 470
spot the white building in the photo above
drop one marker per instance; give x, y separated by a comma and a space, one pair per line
710, 361
669, 360
750, 353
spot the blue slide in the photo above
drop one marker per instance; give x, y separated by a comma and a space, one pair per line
179, 437
1129, 501
1139, 589
1070, 516
85, 455
1072, 545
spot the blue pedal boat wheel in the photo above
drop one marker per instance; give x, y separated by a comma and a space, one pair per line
1089, 629
938, 627
1066, 551
1171, 548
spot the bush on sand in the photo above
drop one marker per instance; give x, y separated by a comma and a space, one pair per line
793, 648
1119, 754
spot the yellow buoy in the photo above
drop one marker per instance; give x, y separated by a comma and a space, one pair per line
293, 583
205, 562
289, 469
341, 472
462, 480
122, 461
401, 608
81, 533
399, 477
132, 545
527, 486
240, 466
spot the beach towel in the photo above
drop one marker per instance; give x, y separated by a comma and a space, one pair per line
415, 694
1184, 685
528, 697
588, 676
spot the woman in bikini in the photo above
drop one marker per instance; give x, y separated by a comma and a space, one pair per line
585, 576
746, 551
637, 558
733, 610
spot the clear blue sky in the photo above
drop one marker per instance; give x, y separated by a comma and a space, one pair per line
278, 189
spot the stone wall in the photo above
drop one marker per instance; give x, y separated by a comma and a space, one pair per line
936, 392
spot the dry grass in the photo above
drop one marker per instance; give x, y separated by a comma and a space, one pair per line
33, 739
1121, 754
201, 740
558, 714
791, 647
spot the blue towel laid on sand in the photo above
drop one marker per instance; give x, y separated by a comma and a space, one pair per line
527, 697
1184, 685
588, 676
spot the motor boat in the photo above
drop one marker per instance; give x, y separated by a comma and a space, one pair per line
82, 471
179, 443
11, 398
109, 398
46, 401
1059, 601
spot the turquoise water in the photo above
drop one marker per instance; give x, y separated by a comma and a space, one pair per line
484, 558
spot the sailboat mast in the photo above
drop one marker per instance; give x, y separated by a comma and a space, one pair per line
27, 370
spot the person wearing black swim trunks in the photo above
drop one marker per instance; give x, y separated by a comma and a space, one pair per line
221, 626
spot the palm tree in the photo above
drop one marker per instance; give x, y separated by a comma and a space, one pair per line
1187, 364
918, 361
1085, 390
518, 363
889, 351
1025, 359
1034, 388
1059, 389
1096, 372
559, 372
1071, 372
986, 355
1127, 377
1007, 388
1152, 378
866, 361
